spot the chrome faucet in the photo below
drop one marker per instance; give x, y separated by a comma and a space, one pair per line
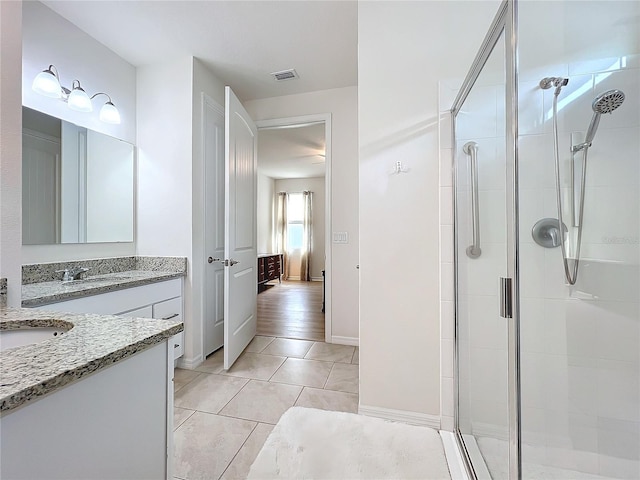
71, 274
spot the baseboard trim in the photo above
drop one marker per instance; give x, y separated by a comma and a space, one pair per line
353, 341
316, 279
413, 418
191, 363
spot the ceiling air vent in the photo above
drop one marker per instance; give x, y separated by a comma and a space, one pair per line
285, 75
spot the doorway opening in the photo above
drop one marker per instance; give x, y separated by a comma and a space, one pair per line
294, 218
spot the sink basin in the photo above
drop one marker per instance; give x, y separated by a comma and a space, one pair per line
27, 335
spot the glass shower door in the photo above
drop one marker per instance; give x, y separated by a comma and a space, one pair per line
481, 259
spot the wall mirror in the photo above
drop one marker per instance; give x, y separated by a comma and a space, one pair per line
77, 184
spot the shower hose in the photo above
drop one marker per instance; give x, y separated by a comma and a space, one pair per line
570, 274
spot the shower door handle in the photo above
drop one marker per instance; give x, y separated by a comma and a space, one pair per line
471, 149
506, 298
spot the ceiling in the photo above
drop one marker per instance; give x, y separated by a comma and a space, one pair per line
296, 152
241, 42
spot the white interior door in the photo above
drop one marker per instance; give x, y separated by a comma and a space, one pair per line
240, 271
214, 160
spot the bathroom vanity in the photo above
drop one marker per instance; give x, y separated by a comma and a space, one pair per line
95, 400
81, 404
144, 287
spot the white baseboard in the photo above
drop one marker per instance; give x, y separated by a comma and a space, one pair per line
353, 341
413, 418
316, 279
189, 363
295, 278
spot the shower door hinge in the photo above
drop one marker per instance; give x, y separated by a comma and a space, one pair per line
506, 298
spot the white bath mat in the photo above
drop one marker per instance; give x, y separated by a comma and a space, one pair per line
316, 444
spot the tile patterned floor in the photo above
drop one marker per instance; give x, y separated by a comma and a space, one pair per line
222, 418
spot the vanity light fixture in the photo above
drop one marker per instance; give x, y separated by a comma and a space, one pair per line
47, 83
108, 113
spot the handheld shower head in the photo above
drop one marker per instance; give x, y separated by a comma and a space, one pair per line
606, 102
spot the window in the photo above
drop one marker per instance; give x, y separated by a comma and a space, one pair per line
295, 217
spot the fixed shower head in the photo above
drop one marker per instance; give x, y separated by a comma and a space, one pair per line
606, 102
558, 82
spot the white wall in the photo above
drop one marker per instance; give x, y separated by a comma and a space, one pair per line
170, 176
317, 186
11, 149
399, 214
164, 196
266, 213
50, 39
342, 104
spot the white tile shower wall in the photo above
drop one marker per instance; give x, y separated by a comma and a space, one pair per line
580, 345
446, 276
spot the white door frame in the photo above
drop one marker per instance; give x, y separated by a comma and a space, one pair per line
317, 118
206, 101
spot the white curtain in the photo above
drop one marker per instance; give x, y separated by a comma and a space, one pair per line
305, 257
281, 232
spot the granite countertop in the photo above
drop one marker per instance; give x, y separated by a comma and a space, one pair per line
44, 293
94, 342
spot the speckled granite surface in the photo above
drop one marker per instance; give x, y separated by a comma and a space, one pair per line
46, 272
94, 342
44, 293
3, 291
162, 264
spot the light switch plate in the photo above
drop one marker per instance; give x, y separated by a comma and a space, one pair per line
340, 237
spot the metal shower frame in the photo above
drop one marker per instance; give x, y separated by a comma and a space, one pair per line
505, 22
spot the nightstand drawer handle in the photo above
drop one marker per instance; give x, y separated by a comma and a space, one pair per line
170, 316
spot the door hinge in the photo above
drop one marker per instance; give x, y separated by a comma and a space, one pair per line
506, 298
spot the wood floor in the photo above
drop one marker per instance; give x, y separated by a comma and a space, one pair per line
291, 309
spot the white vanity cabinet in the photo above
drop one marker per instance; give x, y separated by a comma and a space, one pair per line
161, 300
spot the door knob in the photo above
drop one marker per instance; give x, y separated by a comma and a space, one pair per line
211, 259
230, 263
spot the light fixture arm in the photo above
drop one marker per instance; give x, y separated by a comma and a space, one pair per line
101, 93
54, 70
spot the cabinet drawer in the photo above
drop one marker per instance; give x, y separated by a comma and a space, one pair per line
168, 310
144, 312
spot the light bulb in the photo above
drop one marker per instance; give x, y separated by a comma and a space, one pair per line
47, 84
79, 100
109, 113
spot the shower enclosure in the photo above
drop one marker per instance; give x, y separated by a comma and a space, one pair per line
548, 348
